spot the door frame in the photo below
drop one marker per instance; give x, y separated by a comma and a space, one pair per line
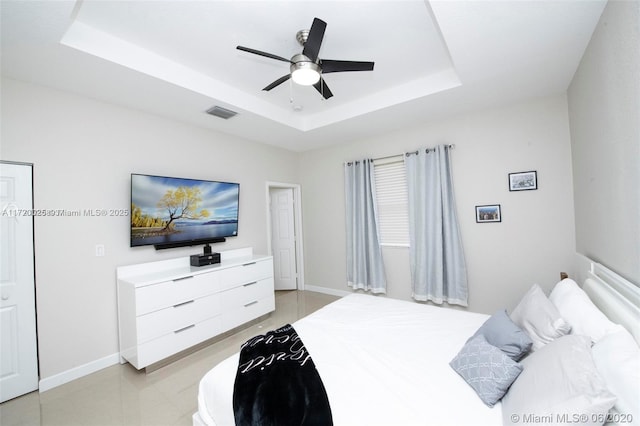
297, 217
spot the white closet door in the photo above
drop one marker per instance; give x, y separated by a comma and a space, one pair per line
283, 239
19, 355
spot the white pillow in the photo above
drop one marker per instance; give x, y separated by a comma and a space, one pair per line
558, 383
539, 318
584, 317
617, 358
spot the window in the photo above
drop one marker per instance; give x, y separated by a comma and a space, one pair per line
392, 201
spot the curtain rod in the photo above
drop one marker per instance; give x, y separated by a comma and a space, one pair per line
451, 146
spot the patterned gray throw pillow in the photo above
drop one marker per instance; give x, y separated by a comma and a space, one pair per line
487, 369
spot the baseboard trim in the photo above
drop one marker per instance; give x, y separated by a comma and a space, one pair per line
78, 372
325, 290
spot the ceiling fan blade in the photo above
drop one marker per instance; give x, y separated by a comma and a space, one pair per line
314, 40
321, 86
261, 53
329, 65
278, 82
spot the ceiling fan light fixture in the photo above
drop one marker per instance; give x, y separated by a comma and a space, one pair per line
306, 68
305, 73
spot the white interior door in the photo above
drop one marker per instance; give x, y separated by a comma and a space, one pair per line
283, 239
19, 354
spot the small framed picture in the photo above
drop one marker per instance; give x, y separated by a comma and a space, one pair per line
488, 213
523, 181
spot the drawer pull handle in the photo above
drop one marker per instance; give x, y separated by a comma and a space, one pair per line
184, 329
248, 284
183, 303
252, 303
183, 278
249, 264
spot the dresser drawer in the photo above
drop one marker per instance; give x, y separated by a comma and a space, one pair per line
246, 273
174, 342
164, 321
248, 293
248, 312
166, 294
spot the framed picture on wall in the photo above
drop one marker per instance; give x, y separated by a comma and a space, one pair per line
523, 181
488, 213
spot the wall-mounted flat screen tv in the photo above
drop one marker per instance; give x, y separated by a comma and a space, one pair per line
175, 212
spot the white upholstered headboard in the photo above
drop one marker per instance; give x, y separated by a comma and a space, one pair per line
615, 296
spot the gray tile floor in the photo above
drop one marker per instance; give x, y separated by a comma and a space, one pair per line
121, 395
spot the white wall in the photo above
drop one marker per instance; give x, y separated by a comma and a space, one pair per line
534, 241
83, 153
604, 110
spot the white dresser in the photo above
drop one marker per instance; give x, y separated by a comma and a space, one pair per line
168, 306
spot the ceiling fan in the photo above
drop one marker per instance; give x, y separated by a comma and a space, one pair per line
306, 68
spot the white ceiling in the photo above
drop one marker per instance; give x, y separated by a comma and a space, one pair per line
178, 58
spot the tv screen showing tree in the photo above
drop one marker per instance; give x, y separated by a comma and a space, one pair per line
176, 211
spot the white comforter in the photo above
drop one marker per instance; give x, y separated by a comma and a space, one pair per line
382, 362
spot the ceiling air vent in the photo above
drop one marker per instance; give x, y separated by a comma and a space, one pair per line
221, 112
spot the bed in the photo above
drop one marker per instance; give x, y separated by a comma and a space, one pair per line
389, 362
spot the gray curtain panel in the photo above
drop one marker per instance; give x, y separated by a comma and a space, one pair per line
438, 269
364, 256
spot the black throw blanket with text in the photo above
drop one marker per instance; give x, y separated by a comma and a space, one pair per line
277, 383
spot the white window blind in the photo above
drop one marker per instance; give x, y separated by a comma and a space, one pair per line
392, 201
